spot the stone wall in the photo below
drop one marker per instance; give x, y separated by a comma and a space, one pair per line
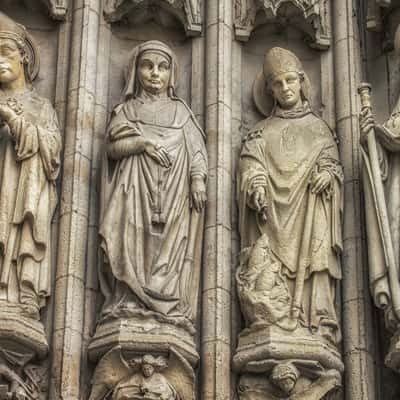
85, 46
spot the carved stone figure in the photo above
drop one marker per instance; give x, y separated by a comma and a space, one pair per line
151, 227
290, 202
137, 377
154, 194
30, 145
381, 174
313, 12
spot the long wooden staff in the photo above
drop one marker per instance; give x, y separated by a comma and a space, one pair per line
364, 91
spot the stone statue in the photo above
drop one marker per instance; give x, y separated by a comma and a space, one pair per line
154, 192
290, 203
381, 174
30, 145
151, 228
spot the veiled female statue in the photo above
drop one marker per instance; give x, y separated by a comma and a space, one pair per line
153, 195
30, 145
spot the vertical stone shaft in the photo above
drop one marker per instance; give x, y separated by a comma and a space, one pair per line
216, 296
358, 350
74, 203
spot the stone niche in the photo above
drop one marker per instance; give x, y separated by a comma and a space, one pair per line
252, 369
138, 342
31, 341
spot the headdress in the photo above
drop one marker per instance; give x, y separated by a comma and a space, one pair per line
277, 61
131, 82
9, 29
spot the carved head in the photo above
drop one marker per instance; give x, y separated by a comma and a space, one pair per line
154, 71
18, 55
153, 68
284, 75
285, 377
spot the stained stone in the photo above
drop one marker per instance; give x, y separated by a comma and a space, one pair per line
149, 269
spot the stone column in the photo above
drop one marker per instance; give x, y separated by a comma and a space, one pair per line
217, 270
357, 310
74, 203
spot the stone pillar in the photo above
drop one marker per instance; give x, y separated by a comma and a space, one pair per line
357, 310
217, 270
74, 203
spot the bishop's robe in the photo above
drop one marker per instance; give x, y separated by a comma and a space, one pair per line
29, 165
284, 152
150, 234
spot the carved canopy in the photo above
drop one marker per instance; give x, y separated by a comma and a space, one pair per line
312, 15
187, 11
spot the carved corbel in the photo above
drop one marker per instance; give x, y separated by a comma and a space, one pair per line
57, 8
188, 12
314, 13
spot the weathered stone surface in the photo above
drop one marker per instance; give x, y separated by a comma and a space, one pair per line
84, 46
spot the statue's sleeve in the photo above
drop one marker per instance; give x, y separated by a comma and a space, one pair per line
124, 137
42, 137
252, 165
328, 159
388, 134
195, 139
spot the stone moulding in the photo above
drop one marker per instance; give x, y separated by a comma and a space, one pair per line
187, 11
57, 8
314, 13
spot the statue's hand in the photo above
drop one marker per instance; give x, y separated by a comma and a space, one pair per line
198, 192
259, 199
367, 123
320, 182
158, 153
6, 113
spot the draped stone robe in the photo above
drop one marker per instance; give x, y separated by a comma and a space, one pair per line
388, 147
150, 234
29, 164
284, 152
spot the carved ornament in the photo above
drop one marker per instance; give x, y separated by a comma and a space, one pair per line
57, 8
188, 12
313, 12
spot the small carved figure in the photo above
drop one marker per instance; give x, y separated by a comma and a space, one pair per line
30, 145
151, 228
290, 193
264, 294
149, 383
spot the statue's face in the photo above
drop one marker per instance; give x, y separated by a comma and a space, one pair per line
11, 61
154, 72
148, 370
286, 89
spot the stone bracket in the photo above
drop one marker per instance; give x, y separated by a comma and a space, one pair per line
189, 12
57, 8
314, 13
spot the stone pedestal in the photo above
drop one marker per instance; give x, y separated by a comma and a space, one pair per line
22, 335
122, 346
277, 364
